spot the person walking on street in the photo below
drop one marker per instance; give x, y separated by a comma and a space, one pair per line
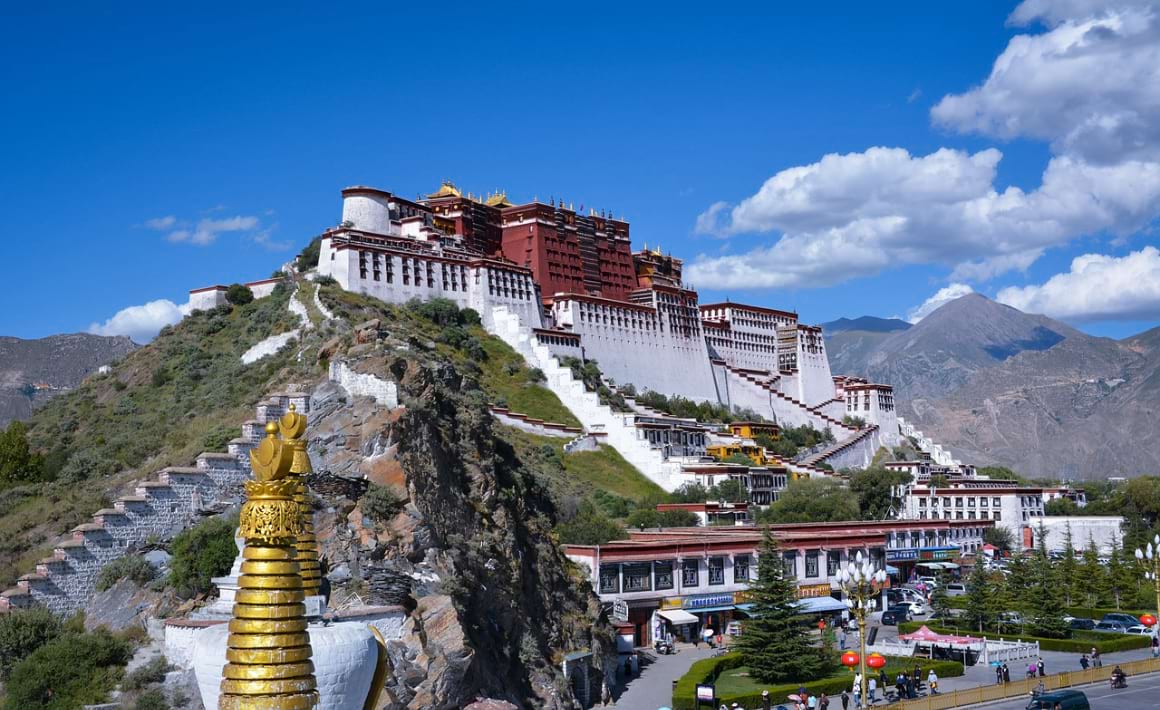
1039, 667
1097, 662
998, 675
1155, 647
845, 700
883, 682
842, 640
1083, 662
872, 688
932, 681
823, 702
1006, 674
766, 703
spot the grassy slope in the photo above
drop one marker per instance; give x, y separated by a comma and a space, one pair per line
515, 390
136, 421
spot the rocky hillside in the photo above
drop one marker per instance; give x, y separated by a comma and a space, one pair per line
32, 371
457, 524
850, 340
1000, 386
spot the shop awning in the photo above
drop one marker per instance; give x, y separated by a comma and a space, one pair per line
818, 605
891, 569
950, 565
705, 609
678, 616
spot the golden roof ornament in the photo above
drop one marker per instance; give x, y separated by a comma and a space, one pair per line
268, 652
446, 189
293, 427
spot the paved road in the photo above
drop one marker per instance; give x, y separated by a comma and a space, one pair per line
1142, 693
653, 688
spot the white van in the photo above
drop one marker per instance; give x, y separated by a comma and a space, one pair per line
956, 589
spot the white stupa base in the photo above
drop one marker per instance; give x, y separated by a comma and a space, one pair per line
345, 657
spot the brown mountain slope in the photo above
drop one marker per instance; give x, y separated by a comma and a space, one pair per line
996, 385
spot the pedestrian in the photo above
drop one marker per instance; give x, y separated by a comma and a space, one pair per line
766, 703
845, 700
1083, 662
1031, 667
932, 681
872, 689
1006, 674
628, 668
1039, 667
998, 674
842, 640
883, 681
1097, 662
802, 692
823, 702
1155, 647
812, 703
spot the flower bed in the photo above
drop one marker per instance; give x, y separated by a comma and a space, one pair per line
747, 693
1079, 642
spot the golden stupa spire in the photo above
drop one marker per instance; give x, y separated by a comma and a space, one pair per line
292, 425
268, 653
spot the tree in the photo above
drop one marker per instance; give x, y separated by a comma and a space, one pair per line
18, 463
308, 257
589, 527
875, 489
729, 490
201, 553
939, 601
690, 493
1095, 587
1122, 576
1042, 598
21, 633
1069, 580
68, 672
812, 500
776, 646
1000, 537
1060, 506
978, 612
739, 459
239, 295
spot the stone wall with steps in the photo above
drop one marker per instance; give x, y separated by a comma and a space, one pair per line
158, 509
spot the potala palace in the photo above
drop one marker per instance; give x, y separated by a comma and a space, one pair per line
556, 283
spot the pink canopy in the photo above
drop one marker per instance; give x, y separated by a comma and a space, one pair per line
925, 634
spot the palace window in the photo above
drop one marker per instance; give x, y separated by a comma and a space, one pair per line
741, 569
637, 577
609, 579
690, 574
716, 570
789, 560
663, 572
812, 564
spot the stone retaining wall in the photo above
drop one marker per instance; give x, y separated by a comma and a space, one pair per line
157, 509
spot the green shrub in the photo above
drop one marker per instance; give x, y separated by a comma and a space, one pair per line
85, 464
709, 669
239, 295
69, 671
132, 567
152, 672
200, 553
535, 375
151, 700
21, 633
325, 281
308, 258
380, 503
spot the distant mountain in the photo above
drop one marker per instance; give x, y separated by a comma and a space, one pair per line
998, 385
865, 324
32, 371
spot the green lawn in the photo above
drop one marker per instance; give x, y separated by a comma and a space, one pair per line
608, 471
505, 378
736, 681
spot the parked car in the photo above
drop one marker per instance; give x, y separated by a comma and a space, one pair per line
1114, 627
956, 589
1082, 624
1063, 699
1125, 619
903, 611
1011, 618
892, 618
1139, 629
916, 608
929, 581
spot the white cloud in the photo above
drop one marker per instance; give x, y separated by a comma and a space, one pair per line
141, 323
1087, 82
942, 296
1090, 85
207, 230
914, 96
161, 224
1098, 287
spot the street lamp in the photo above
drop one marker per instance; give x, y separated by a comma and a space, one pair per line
862, 582
1149, 559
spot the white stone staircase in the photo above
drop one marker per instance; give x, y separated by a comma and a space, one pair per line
617, 428
157, 510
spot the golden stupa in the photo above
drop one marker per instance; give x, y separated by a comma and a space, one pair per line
268, 656
292, 425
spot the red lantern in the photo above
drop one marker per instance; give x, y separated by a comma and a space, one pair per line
876, 660
850, 659
1148, 620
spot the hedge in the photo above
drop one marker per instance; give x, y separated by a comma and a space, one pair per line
707, 670
1079, 642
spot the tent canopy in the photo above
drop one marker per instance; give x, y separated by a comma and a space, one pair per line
818, 605
678, 616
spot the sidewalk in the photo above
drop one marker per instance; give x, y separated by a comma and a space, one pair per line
653, 688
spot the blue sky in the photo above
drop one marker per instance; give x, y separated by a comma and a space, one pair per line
236, 128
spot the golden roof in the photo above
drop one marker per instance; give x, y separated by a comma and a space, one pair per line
447, 189
498, 199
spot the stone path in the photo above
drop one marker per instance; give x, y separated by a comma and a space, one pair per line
653, 688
